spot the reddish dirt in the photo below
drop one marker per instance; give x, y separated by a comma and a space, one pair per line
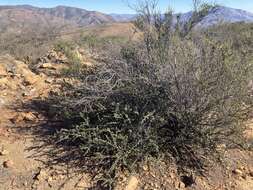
19, 85
24, 154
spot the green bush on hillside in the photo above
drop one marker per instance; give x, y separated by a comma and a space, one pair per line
75, 66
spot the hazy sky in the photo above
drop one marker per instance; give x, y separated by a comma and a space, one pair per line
120, 6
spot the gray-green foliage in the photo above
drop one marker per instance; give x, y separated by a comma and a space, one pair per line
166, 95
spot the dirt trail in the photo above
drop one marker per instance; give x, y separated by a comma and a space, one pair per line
23, 156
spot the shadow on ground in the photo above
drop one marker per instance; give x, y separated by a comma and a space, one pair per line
49, 150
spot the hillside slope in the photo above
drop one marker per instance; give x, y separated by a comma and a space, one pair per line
17, 18
80, 17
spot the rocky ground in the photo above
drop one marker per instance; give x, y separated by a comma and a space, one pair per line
25, 150
21, 168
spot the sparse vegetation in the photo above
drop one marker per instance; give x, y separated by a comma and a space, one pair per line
28, 45
92, 45
93, 42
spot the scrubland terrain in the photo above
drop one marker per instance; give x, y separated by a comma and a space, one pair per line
127, 106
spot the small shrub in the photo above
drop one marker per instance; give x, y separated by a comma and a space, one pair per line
96, 44
68, 49
75, 66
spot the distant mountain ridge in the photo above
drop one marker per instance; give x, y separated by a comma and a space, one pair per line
81, 17
219, 15
26, 17
216, 15
68, 15
123, 17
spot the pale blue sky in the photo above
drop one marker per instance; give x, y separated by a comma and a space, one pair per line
120, 6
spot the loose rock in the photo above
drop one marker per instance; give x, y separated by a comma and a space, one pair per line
8, 164
30, 80
40, 175
49, 81
4, 152
145, 168
29, 116
3, 71
82, 184
237, 172
132, 183
47, 66
179, 185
